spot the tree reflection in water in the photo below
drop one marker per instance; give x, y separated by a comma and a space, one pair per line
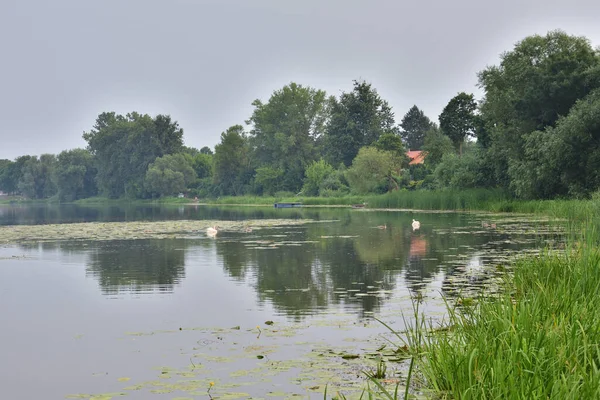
305, 269
138, 265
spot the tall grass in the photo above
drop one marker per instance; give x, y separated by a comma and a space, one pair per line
539, 339
473, 199
265, 200
494, 200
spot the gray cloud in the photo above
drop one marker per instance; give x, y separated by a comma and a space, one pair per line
203, 62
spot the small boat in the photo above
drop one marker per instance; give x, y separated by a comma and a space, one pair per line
359, 205
288, 205
384, 226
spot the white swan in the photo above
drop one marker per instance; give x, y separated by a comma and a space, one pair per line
212, 231
416, 225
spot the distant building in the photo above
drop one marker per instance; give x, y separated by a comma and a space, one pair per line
416, 157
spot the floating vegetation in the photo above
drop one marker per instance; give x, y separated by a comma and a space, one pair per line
133, 230
22, 257
274, 365
103, 396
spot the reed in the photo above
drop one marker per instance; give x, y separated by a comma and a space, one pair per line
538, 339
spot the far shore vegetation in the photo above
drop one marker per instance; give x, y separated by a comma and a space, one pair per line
534, 135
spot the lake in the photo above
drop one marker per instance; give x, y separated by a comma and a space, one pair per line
104, 302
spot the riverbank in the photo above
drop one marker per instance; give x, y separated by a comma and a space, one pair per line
540, 338
443, 200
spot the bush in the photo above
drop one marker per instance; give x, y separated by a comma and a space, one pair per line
315, 174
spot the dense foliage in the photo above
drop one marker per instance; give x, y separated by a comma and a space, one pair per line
535, 134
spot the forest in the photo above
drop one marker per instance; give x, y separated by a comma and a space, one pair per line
534, 134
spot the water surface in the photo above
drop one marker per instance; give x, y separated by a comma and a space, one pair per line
161, 318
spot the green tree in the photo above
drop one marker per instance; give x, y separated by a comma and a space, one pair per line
75, 175
36, 177
231, 162
202, 164
457, 120
580, 131
206, 150
268, 180
124, 147
13, 173
358, 119
415, 125
5, 178
285, 131
436, 145
535, 83
393, 143
458, 172
316, 173
538, 173
169, 175
564, 159
372, 171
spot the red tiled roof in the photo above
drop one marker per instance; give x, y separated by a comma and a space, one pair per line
416, 157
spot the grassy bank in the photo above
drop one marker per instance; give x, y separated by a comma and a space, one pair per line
486, 200
465, 200
229, 200
15, 200
540, 339
92, 201
270, 200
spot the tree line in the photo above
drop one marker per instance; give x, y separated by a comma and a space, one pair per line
535, 133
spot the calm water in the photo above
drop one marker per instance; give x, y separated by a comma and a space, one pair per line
161, 318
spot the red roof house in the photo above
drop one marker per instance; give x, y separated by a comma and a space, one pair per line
416, 157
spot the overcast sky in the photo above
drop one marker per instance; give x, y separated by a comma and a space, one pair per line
62, 62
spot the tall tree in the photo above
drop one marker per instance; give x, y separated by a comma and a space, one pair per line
393, 143
232, 161
536, 83
206, 150
457, 120
414, 126
562, 160
371, 171
169, 175
75, 175
436, 145
316, 173
36, 177
12, 174
285, 131
5, 179
358, 119
202, 164
124, 146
